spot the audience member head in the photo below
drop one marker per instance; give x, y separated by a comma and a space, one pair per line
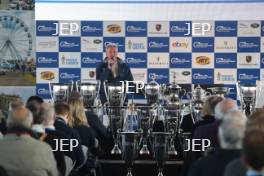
35, 109
62, 110
256, 120
78, 116
19, 117
209, 105
231, 130
47, 113
223, 107
253, 149
16, 103
35, 99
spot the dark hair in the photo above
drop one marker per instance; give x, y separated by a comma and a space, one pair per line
62, 108
36, 99
253, 148
210, 104
34, 107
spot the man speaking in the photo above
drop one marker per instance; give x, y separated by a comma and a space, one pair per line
112, 70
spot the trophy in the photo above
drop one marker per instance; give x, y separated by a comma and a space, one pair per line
115, 100
198, 96
114, 94
173, 118
173, 94
144, 125
152, 92
160, 147
259, 94
220, 91
129, 148
90, 92
247, 96
60, 92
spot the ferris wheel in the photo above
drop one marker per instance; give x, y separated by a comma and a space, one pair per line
15, 39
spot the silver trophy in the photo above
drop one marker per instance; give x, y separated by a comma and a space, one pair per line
259, 94
247, 97
129, 149
60, 91
90, 92
144, 126
220, 91
152, 92
198, 96
114, 94
173, 94
115, 101
173, 119
160, 148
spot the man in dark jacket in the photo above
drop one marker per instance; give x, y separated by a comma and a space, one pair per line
112, 70
230, 133
62, 110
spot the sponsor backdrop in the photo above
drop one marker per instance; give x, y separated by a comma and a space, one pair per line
192, 52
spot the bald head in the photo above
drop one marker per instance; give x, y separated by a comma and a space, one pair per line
20, 117
225, 106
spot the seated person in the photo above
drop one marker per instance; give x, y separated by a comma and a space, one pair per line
62, 111
47, 115
32, 157
78, 120
231, 132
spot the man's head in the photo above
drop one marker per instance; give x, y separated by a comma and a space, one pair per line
35, 99
111, 52
223, 107
19, 117
16, 103
62, 109
231, 130
209, 105
253, 149
47, 113
34, 107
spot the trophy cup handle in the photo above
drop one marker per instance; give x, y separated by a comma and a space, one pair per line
106, 94
123, 99
77, 86
184, 92
239, 94
51, 92
72, 85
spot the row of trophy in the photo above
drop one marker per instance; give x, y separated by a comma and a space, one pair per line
152, 129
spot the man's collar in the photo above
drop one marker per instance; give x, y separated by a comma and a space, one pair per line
50, 127
38, 128
254, 173
62, 118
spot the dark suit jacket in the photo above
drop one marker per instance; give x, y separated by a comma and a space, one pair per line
71, 134
236, 168
193, 156
213, 165
87, 135
208, 131
105, 74
62, 135
207, 119
98, 128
